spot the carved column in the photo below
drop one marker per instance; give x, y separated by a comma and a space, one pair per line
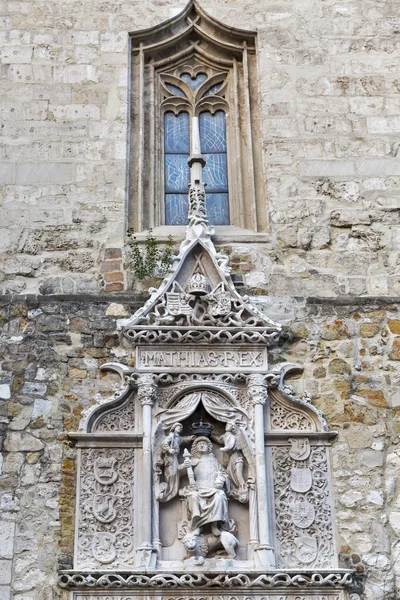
258, 393
147, 394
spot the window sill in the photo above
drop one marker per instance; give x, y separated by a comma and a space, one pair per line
224, 234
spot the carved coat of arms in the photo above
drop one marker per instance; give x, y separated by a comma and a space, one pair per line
104, 507
104, 470
301, 479
299, 448
303, 514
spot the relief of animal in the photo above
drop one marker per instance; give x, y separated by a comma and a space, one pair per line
200, 546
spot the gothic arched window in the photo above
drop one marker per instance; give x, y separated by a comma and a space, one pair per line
194, 81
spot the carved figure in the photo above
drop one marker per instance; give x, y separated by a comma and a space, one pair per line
236, 448
206, 496
167, 463
199, 546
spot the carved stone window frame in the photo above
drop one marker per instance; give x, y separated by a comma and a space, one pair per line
195, 38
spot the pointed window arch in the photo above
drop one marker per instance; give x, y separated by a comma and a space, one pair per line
192, 75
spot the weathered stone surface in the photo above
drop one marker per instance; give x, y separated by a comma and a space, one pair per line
7, 531
22, 442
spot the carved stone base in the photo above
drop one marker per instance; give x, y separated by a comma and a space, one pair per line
273, 595
146, 557
264, 556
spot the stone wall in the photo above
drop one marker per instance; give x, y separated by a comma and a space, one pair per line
52, 349
329, 104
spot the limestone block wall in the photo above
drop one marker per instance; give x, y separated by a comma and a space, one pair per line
52, 348
329, 111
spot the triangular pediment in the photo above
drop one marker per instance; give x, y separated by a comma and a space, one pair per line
198, 295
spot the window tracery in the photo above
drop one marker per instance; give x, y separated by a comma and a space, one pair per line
194, 106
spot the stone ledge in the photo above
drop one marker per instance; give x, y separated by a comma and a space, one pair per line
323, 578
139, 298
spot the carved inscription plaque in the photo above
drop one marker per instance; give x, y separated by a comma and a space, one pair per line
201, 359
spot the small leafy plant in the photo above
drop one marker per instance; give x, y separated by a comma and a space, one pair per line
149, 261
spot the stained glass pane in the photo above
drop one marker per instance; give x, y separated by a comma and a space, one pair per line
215, 173
176, 173
218, 209
194, 83
213, 90
175, 90
176, 209
176, 132
213, 131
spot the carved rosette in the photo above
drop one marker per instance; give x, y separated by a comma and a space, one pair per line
105, 528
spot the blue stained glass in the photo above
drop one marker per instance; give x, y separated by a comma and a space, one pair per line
176, 132
213, 90
175, 90
176, 173
176, 209
213, 131
194, 83
218, 209
215, 173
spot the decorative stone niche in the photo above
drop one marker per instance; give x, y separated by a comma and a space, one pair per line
204, 469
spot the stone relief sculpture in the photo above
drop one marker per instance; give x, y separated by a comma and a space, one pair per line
166, 463
236, 451
212, 483
206, 496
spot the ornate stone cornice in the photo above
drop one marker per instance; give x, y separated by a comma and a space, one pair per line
339, 578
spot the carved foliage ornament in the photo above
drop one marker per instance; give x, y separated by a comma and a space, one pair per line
106, 508
303, 508
201, 580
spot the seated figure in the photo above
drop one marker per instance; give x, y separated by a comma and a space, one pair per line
207, 494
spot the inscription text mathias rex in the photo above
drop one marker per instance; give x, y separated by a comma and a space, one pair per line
215, 358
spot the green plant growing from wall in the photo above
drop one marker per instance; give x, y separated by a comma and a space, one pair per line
146, 259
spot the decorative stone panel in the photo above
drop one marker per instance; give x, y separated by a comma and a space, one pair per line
105, 508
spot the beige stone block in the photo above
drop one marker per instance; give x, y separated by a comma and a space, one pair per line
15, 54
29, 173
76, 74
7, 533
389, 125
5, 572
326, 168
378, 167
5, 592
76, 111
22, 442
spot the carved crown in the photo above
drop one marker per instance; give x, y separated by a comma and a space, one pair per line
198, 285
201, 428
